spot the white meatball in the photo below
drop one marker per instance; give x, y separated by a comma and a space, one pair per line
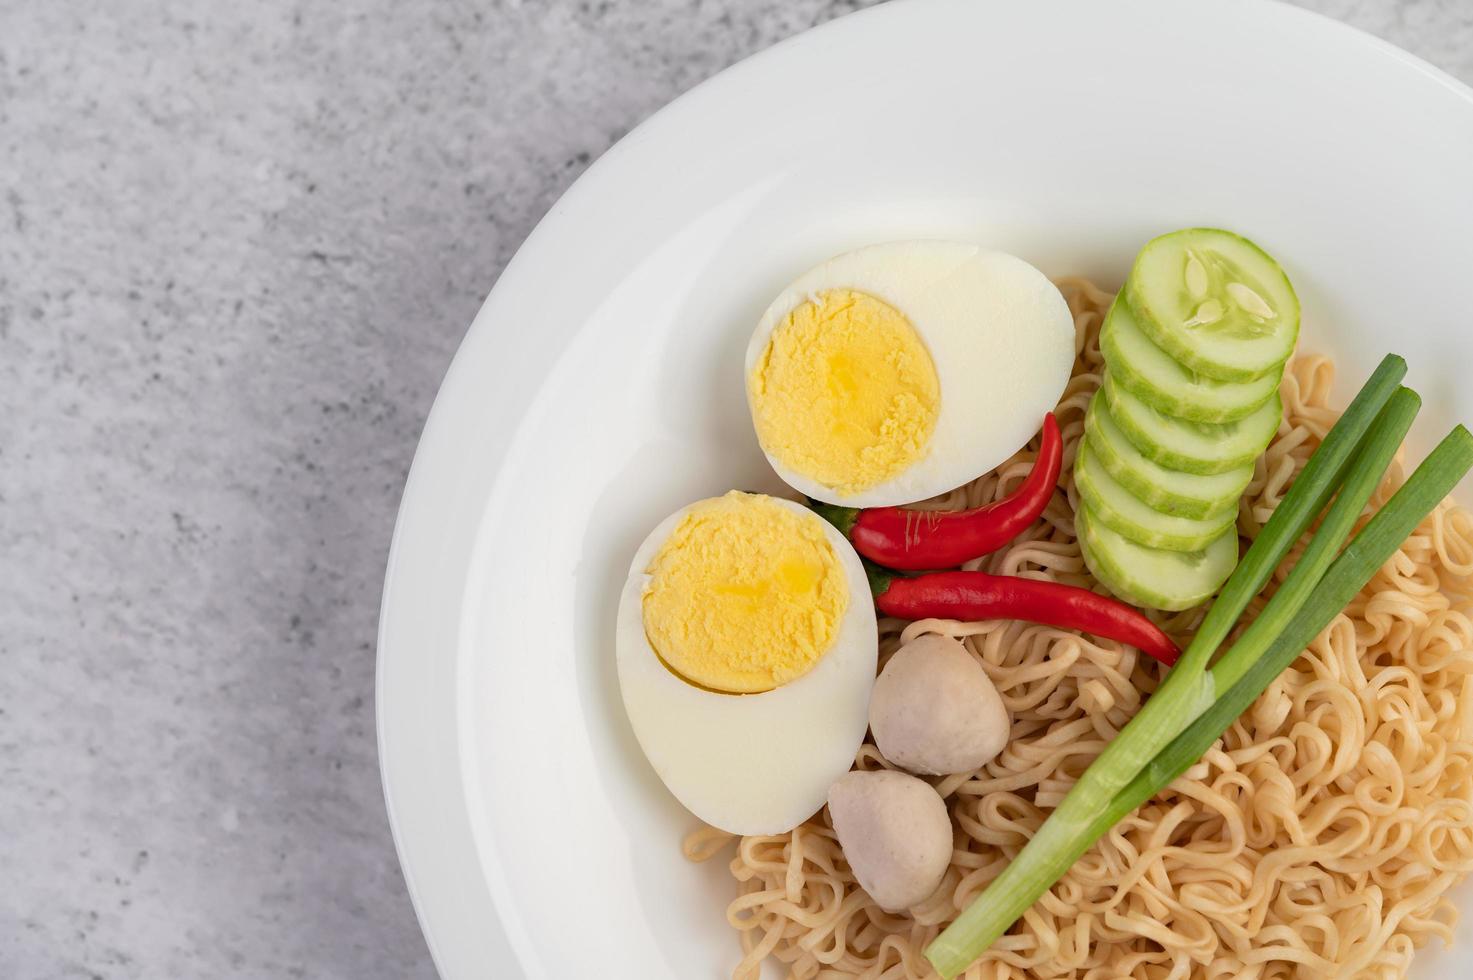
935, 711
895, 833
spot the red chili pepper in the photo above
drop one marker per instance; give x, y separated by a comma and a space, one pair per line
980, 595
919, 540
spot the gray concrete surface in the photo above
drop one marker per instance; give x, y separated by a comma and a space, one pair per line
238, 245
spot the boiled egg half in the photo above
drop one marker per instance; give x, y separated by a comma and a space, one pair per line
746, 649
899, 371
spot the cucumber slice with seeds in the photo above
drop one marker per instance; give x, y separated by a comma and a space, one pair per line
1215, 302
1193, 447
1169, 580
1125, 514
1159, 380
1167, 490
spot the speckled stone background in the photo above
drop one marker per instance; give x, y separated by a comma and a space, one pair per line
238, 245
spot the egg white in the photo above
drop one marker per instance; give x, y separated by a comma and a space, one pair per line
999, 332
750, 763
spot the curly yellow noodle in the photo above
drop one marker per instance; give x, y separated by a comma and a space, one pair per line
1318, 839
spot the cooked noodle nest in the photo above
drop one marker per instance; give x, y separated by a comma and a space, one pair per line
1318, 838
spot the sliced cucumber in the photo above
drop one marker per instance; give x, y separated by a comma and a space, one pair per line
1193, 447
1125, 514
1168, 490
1216, 302
1159, 380
1169, 580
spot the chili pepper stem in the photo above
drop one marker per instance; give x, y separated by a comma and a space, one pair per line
879, 578
842, 518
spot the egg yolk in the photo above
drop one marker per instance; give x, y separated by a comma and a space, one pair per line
845, 393
745, 595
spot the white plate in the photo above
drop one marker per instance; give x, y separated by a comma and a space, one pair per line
600, 386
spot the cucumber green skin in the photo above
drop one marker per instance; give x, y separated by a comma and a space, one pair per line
1132, 470
1098, 545
1163, 327
1172, 459
1104, 499
1231, 402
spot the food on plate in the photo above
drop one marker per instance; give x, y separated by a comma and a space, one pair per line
1215, 302
746, 652
1126, 514
1167, 490
900, 371
1293, 798
1167, 385
1197, 702
916, 540
1194, 349
975, 595
895, 833
1155, 577
1191, 447
934, 711
743, 594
